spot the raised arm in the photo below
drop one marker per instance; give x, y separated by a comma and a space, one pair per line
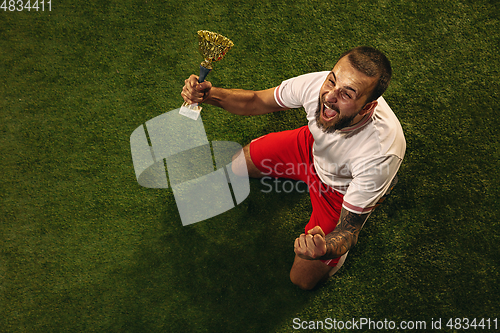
315, 245
237, 101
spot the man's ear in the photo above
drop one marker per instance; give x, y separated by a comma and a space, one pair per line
368, 107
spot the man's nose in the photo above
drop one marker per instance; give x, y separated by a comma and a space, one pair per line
331, 96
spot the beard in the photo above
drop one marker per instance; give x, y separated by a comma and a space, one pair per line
338, 124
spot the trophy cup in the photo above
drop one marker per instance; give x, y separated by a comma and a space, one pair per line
213, 47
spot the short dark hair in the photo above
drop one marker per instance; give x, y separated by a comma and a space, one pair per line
371, 62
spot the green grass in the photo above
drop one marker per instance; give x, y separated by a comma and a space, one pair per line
84, 248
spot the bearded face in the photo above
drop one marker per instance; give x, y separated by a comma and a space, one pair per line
343, 97
329, 118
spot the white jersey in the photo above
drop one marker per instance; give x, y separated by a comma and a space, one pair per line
360, 161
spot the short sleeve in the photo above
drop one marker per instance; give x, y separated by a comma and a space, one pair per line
371, 180
299, 91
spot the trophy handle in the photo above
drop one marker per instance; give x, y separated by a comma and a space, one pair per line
203, 73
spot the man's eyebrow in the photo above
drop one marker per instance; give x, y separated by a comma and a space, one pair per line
347, 87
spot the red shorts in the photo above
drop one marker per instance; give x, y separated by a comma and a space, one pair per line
288, 154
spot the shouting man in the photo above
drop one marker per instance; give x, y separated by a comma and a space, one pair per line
348, 154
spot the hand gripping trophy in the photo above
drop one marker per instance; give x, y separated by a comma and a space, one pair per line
213, 47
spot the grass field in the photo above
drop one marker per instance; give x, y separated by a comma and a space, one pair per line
84, 248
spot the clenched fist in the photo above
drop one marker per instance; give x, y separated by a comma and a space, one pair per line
311, 246
194, 92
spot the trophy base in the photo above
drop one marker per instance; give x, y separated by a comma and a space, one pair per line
190, 110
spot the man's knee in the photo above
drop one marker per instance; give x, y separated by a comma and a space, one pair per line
307, 274
243, 165
239, 166
303, 282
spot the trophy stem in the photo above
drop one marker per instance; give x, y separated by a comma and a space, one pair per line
203, 73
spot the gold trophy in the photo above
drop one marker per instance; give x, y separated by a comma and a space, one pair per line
213, 47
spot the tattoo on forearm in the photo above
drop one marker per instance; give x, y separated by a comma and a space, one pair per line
345, 235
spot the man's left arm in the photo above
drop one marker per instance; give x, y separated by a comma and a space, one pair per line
316, 245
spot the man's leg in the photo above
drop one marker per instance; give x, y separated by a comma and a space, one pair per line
238, 167
280, 150
278, 155
304, 273
308, 273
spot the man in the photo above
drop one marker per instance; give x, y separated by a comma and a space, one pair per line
351, 148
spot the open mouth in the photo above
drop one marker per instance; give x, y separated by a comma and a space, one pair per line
328, 114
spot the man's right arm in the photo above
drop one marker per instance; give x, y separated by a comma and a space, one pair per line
237, 101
